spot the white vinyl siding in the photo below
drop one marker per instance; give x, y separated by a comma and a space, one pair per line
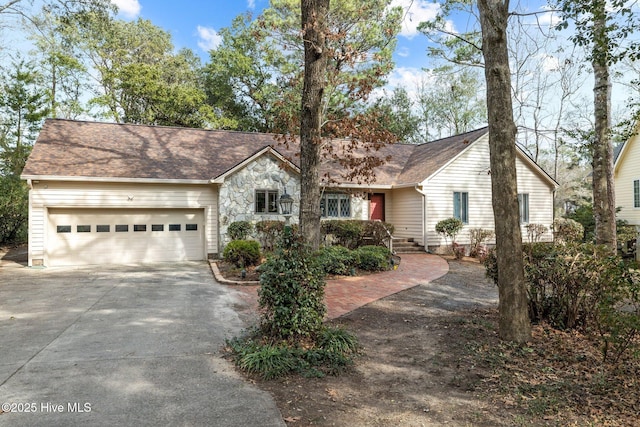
469, 172
403, 209
627, 180
54, 194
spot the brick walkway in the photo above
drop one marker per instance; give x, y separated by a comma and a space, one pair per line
349, 293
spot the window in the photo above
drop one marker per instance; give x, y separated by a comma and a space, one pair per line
636, 193
335, 205
122, 228
266, 201
157, 227
461, 206
103, 228
63, 229
523, 201
83, 228
174, 227
191, 227
140, 227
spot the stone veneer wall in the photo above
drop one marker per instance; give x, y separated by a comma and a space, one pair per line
237, 193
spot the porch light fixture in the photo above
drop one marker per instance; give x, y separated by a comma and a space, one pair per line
286, 204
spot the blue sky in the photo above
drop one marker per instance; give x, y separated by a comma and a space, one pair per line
195, 24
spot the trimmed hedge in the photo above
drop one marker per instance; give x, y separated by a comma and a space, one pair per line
242, 253
240, 230
337, 260
373, 258
355, 233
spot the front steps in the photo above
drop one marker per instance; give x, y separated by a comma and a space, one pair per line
406, 246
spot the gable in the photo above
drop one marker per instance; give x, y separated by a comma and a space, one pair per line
93, 151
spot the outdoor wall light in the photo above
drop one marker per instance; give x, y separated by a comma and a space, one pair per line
286, 203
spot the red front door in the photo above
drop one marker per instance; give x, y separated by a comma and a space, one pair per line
376, 206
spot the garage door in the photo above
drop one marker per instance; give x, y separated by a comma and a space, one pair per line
121, 236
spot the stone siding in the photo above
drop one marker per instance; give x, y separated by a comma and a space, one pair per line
237, 193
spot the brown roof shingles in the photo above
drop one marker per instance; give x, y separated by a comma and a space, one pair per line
68, 148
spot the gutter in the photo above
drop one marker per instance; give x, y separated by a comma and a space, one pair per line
424, 215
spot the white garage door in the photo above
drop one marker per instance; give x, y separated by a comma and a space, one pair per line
121, 236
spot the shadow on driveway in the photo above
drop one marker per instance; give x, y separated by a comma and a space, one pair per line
122, 345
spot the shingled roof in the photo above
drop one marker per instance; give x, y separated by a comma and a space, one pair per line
95, 150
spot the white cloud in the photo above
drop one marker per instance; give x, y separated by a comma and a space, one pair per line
209, 38
128, 8
548, 19
415, 12
403, 52
409, 77
251, 4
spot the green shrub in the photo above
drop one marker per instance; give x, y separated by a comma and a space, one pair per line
14, 209
337, 260
373, 258
449, 228
346, 232
240, 230
582, 286
242, 253
292, 292
268, 233
334, 351
353, 233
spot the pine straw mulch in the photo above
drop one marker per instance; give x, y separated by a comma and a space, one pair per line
433, 357
560, 379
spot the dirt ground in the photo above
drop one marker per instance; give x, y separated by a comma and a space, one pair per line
431, 357
410, 372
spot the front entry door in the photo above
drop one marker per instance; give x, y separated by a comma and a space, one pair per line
376, 206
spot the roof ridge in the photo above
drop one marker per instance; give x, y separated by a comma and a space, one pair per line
162, 126
458, 135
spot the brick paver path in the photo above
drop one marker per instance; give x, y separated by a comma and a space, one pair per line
349, 293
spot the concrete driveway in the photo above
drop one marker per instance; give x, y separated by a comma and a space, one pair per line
122, 346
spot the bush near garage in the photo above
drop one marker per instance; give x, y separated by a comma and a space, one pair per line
240, 230
242, 253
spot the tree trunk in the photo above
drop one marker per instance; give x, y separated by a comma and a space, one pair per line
514, 317
314, 30
604, 209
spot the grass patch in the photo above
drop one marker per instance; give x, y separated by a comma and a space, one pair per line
333, 353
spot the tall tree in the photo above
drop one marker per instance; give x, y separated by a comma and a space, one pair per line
603, 26
396, 113
23, 107
316, 56
514, 322
139, 79
244, 77
453, 101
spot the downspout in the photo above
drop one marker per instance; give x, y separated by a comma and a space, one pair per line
29, 228
424, 216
